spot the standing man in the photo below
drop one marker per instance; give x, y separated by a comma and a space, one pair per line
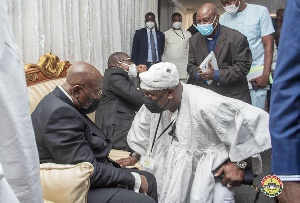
148, 43
255, 23
285, 100
193, 28
232, 53
176, 46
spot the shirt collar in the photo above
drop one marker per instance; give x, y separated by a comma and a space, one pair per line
65, 92
148, 30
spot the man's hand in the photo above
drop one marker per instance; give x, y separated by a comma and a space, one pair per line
261, 81
233, 175
144, 185
209, 74
129, 161
141, 68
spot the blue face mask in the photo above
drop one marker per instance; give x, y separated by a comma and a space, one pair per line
206, 29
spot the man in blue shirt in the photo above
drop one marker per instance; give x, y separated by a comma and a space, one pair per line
255, 23
232, 53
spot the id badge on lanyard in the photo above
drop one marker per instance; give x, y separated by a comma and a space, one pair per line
147, 162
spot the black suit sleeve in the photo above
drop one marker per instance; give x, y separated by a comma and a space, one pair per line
123, 88
241, 63
192, 66
64, 137
135, 48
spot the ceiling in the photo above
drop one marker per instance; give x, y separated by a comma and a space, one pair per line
272, 5
195, 4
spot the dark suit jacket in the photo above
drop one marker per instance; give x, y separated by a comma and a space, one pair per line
64, 136
234, 61
139, 54
119, 102
192, 30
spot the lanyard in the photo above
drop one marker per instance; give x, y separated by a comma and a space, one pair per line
173, 130
179, 35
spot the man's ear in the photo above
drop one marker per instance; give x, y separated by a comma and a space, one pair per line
171, 93
76, 90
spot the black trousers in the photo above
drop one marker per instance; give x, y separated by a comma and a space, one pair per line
122, 195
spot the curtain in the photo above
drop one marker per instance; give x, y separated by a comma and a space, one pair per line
77, 30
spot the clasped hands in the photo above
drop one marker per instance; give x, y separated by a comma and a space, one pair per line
233, 175
207, 75
131, 161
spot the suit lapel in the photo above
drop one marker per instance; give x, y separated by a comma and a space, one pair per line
201, 44
220, 43
95, 130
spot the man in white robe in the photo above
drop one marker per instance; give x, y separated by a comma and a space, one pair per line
19, 161
177, 46
207, 129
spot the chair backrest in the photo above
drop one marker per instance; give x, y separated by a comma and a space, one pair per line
43, 77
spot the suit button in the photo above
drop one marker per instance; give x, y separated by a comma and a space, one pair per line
105, 144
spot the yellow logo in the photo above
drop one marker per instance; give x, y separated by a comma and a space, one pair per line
271, 185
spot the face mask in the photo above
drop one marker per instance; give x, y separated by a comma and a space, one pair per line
232, 8
206, 29
132, 70
177, 25
94, 104
152, 105
150, 25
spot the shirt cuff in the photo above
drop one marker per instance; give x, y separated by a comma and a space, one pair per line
289, 178
216, 76
138, 182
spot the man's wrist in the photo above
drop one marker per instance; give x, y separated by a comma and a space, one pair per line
136, 155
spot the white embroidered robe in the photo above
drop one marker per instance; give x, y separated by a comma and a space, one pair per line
210, 128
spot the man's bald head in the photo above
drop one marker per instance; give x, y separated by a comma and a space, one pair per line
84, 74
116, 58
208, 8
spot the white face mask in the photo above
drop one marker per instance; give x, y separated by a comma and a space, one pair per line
232, 8
177, 25
150, 25
132, 72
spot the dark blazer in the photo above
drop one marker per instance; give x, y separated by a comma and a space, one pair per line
192, 30
65, 136
234, 61
119, 102
139, 54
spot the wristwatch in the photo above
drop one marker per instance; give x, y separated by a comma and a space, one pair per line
241, 164
136, 155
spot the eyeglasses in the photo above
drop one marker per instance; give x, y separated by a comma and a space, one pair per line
97, 93
228, 2
122, 61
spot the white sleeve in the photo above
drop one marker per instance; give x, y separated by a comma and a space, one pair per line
139, 133
243, 128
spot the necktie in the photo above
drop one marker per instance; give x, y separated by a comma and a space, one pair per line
154, 58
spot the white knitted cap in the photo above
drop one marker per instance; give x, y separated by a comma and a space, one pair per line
160, 76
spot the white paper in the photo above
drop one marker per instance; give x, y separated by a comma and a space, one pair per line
204, 65
254, 73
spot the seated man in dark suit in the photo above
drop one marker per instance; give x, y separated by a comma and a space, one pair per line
65, 135
148, 43
120, 100
232, 52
